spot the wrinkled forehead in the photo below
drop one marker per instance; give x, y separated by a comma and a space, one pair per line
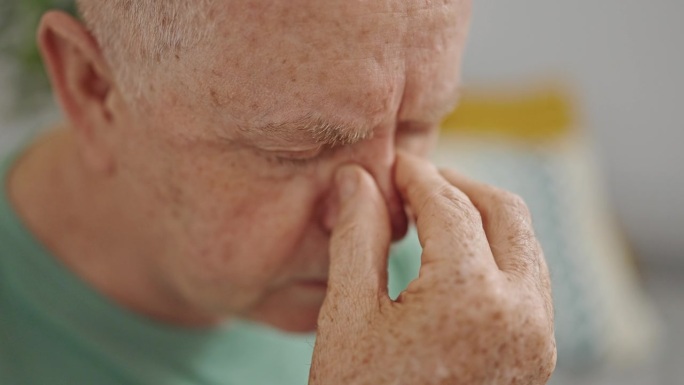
274, 59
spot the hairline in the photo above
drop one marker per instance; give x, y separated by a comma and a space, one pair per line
136, 36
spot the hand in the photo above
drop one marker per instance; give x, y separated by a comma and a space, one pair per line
480, 311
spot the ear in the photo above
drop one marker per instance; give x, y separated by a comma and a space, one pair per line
82, 83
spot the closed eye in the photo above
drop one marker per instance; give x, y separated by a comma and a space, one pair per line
293, 158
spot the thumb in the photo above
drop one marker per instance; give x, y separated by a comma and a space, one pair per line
360, 237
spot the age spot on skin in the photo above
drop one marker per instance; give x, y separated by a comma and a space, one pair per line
214, 97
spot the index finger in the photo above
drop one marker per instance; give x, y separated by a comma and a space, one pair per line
449, 226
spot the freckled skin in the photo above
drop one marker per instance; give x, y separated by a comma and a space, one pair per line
177, 207
371, 64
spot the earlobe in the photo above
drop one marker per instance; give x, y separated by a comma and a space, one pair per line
81, 81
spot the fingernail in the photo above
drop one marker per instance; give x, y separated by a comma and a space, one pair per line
347, 181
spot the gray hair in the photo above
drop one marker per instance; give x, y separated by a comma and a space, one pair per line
136, 35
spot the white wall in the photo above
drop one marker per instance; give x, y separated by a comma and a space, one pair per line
625, 59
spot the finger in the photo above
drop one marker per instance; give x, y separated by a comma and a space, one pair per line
360, 237
448, 224
507, 223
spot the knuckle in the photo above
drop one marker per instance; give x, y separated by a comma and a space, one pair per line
542, 347
485, 296
529, 333
512, 202
347, 235
524, 264
453, 201
539, 330
535, 323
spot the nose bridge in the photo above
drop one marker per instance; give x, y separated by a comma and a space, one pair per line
377, 155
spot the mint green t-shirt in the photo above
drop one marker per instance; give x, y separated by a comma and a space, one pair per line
56, 330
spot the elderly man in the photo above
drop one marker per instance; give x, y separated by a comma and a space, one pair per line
231, 174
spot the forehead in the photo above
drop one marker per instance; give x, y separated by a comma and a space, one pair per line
358, 60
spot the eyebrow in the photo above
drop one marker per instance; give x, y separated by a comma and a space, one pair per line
316, 129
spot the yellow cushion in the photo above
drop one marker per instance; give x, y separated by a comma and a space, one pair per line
534, 113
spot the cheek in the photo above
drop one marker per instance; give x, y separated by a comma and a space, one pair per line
244, 227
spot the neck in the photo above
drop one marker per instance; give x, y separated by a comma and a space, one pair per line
89, 222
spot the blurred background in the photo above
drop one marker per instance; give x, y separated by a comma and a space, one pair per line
624, 62
612, 72
574, 105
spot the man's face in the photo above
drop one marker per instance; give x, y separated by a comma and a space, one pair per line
234, 155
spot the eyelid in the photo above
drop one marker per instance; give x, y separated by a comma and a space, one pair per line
292, 158
298, 155
415, 127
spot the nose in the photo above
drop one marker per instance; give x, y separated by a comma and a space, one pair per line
377, 156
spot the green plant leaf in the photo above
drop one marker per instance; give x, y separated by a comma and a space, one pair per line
18, 50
